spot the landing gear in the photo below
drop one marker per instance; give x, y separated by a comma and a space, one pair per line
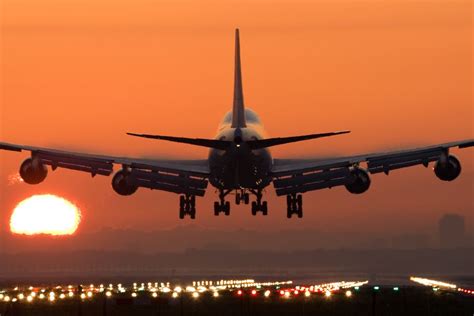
242, 197
259, 206
187, 206
222, 206
294, 203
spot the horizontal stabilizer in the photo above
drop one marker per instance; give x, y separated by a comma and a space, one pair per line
210, 143
264, 143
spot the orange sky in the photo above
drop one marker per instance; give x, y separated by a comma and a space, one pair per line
79, 74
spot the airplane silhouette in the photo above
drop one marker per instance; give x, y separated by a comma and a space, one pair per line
240, 162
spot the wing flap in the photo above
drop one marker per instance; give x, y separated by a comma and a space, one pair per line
298, 176
314, 180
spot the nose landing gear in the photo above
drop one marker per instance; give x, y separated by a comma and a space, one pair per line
187, 206
242, 196
294, 203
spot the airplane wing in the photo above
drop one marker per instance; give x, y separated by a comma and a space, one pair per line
177, 176
291, 176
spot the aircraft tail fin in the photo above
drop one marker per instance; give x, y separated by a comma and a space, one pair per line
238, 109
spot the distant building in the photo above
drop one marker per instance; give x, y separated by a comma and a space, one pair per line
452, 232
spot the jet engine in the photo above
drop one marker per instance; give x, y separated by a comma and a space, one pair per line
121, 185
449, 169
361, 181
33, 172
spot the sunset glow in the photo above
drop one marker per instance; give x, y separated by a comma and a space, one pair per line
45, 214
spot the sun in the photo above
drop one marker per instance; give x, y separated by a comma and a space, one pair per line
45, 214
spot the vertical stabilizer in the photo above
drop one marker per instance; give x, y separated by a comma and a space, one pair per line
238, 110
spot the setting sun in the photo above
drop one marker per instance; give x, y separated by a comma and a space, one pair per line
45, 214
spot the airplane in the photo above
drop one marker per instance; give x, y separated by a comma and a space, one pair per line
240, 163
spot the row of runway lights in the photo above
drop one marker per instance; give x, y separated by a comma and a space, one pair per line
59, 293
436, 285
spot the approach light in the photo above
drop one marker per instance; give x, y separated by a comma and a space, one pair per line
195, 294
348, 293
174, 295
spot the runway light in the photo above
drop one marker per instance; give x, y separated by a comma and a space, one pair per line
83, 296
14, 299
89, 294
348, 293
70, 294
297, 292
134, 294
254, 292
287, 294
21, 296
154, 294
174, 295
195, 294
395, 288
327, 293
178, 289
267, 293
6, 298
41, 296
376, 288
51, 298
239, 292
307, 293
29, 298
62, 296
215, 294
108, 294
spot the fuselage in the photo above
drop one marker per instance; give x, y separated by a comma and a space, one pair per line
239, 167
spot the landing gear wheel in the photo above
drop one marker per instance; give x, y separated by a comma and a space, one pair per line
254, 208
227, 208
187, 206
246, 198
216, 208
264, 208
294, 205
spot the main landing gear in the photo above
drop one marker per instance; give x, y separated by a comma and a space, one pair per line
187, 206
259, 206
222, 206
294, 203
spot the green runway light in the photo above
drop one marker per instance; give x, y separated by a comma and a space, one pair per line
395, 288
356, 288
376, 288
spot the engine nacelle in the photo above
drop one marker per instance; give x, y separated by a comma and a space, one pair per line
361, 181
120, 184
448, 170
33, 173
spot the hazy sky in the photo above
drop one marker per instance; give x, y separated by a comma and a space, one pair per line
79, 74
